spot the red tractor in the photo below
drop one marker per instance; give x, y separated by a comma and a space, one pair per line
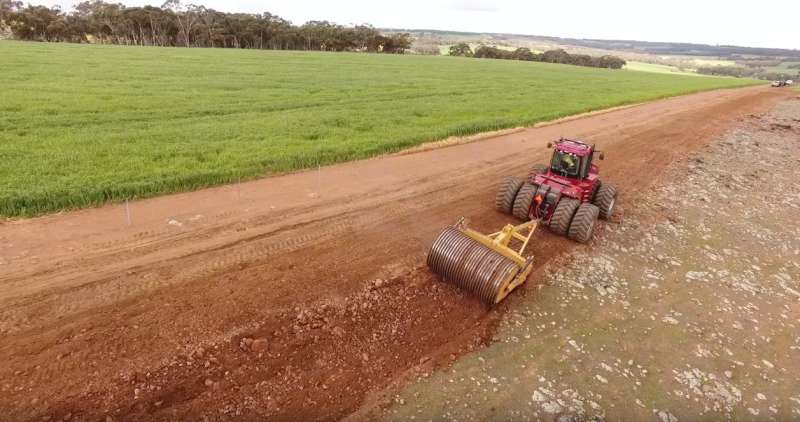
567, 196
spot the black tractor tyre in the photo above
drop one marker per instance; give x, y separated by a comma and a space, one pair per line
537, 169
606, 199
522, 205
563, 214
504, 201
583, 224
594, 191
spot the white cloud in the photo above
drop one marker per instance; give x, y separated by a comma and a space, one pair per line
477, 5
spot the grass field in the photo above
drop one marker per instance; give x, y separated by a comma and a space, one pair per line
83, 125
785, 68
712, 62
657, 68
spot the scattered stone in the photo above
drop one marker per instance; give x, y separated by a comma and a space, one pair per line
259, 345
696, 275
670, 320
718, 395
665, 416
245, 343
551, 407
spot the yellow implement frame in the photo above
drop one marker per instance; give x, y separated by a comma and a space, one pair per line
500, 243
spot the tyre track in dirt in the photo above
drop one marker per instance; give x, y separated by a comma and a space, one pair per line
290, 260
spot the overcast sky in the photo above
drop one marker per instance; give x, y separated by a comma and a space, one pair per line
773, 23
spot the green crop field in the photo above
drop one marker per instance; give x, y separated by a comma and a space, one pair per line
82, 125
657, 68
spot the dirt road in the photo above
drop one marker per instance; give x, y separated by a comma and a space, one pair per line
288, 297
690, 316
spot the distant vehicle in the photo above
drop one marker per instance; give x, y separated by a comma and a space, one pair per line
777, 84
789, 82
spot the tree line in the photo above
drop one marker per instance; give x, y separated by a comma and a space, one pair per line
550, 56
175, 24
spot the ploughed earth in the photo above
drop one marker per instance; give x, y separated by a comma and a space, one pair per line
303, 296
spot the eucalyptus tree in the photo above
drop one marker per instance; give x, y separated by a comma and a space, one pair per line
180, 24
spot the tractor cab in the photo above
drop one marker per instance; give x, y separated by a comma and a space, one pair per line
572, 159
571, 173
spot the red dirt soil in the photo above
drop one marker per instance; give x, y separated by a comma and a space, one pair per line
291, 297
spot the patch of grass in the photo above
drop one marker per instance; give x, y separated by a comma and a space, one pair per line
657, 68
785, 67
82, 125
713, 62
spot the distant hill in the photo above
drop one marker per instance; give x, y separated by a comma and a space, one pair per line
684, 49
630, 46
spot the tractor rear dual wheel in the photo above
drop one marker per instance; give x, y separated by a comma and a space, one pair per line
582, 226
605, 199
504, 200
563, 214
522, 205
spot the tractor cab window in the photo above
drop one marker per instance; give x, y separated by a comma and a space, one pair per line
566, 164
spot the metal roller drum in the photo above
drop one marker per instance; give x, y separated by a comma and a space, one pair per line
471, 266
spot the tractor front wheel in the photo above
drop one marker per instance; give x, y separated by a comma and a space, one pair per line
504, 201
606, 199
522, 205
562, 216
582, 225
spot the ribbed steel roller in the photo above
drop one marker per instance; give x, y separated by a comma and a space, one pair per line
470, 265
